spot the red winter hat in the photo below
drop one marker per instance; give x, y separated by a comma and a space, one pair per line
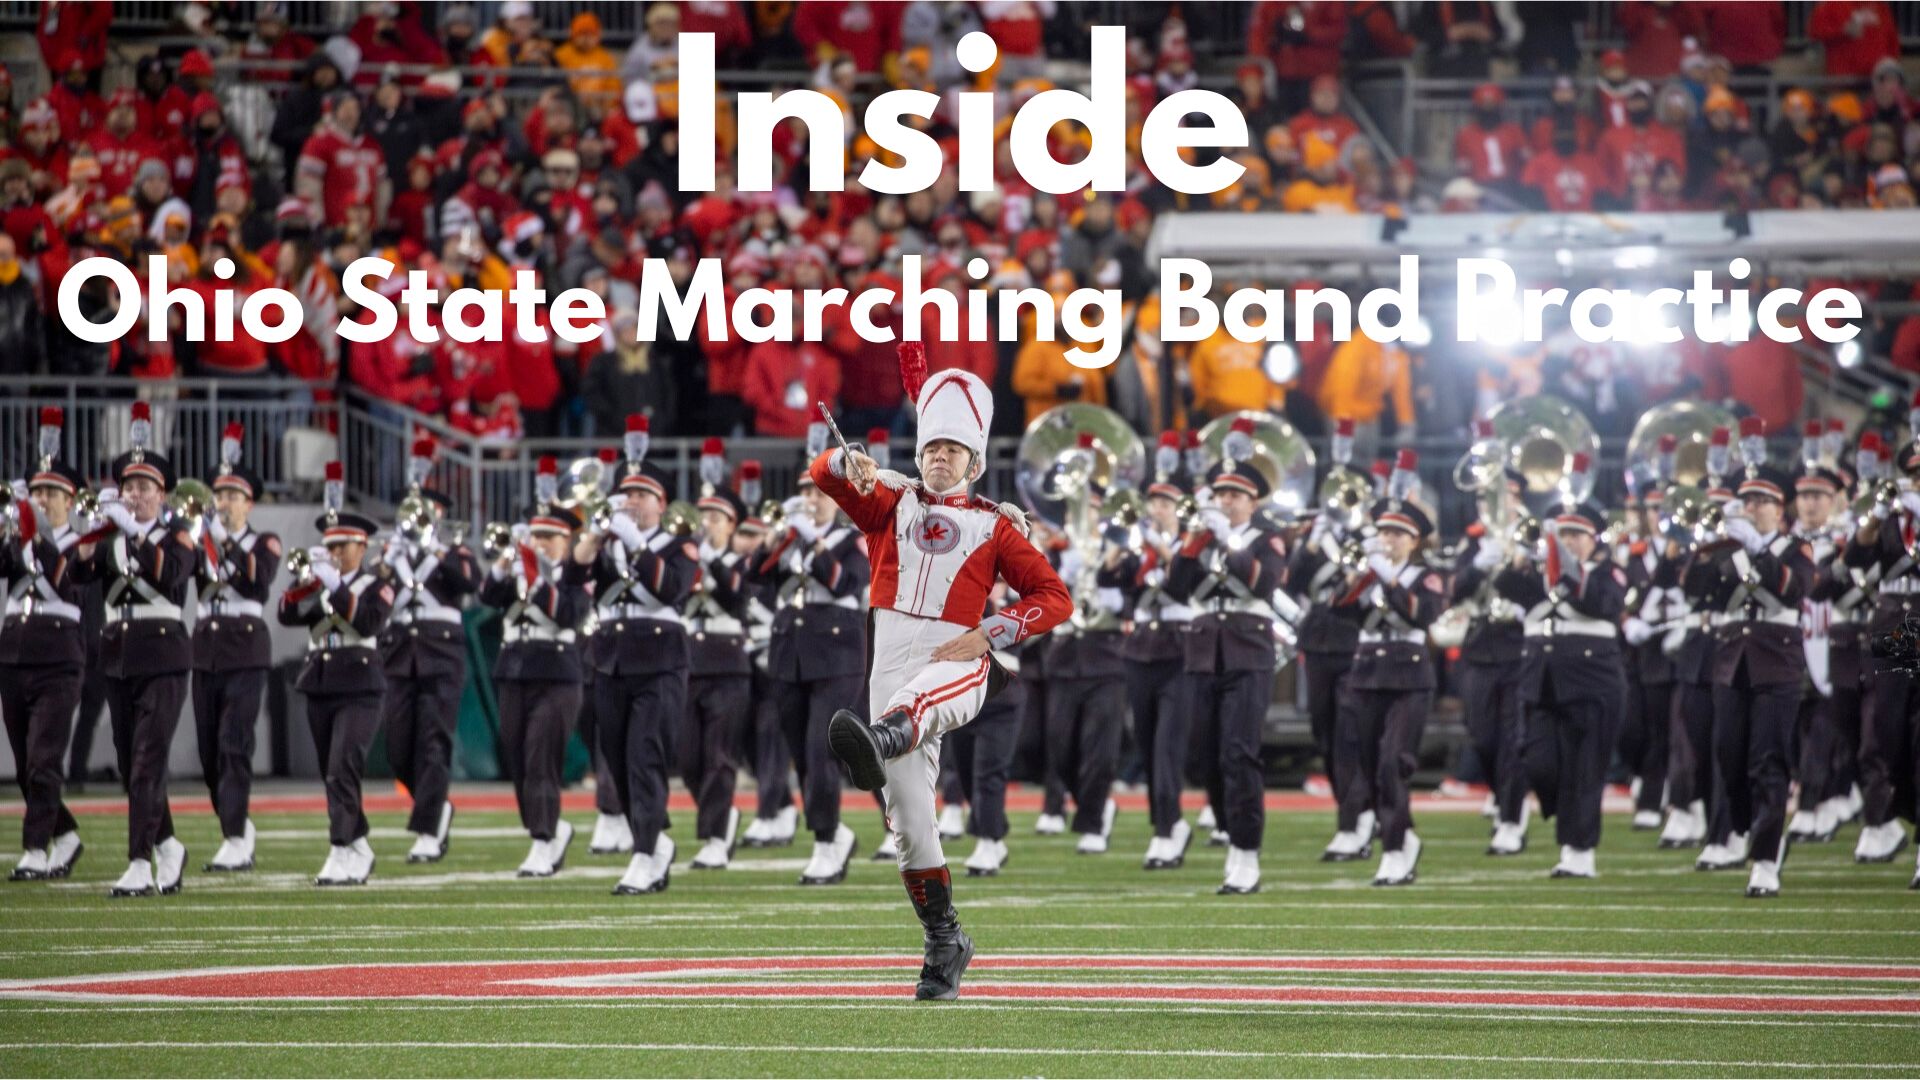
196, 65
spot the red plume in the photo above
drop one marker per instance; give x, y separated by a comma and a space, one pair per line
913, 368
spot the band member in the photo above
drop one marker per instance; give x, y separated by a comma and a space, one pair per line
1831, 636
1087, 701
775, 818
611, 835
143, 557
1887, 744
816, 569
642, 573
1696, 812
343, 606
1647, 724
423, 650
1388, 692
1572, 673
537, 676
720, 683
1329, 634
938, 551
1157, 683
1756, 584
232, 649
42, 654
1229, 569
1489, 666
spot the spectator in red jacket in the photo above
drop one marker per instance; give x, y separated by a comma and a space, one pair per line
1322, 116
1490, 149
1564, 177
341, 167
865, 31
121, 145
74, 33
1657, 31
1749, 33
80, 109
1563, 114
1857, 34
1764, 375
1630, 152
784, 381
1301, 38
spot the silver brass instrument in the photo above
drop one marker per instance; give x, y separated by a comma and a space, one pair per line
681, 519
192, 500
1882, 493
773, 513
1280, 454
300, 565
10, 512
414, 518
1058, 477
582, 490
1688, 517
1538, 436
496, 540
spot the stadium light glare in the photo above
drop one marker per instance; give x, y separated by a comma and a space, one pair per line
1638, 257
1281, 363
1849, 354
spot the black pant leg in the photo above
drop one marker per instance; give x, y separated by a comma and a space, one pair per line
204, 689
401, 716
1404, 720
1585, 731
1097, 738
550, 716
953, 786
237, 699
612, 703
349, 725
772, 756
152, 709
723, 701
1356, 747
1323, 673
821, 780
93, 699
1494, 714
993, 734
1143, 702
1732, 706
439, 704
1203, 740
1770, 724
1243, 714
1846, 712
514, 700
606, 789
1656, 700
37, 704
1884, 740
653, 703
1541, 751
1063, 706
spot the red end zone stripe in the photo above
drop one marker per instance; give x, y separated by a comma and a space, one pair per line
637, 978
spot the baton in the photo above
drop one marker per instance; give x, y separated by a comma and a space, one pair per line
834, 429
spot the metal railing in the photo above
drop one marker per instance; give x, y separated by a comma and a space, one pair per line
279, 416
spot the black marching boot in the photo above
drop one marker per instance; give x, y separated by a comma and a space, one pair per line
866, 748
949, 949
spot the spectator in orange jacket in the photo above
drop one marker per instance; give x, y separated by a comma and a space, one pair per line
1364, 377
592, 65
1044, 376
1229, 374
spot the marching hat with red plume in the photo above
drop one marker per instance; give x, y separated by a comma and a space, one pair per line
337, 525
52, 472
1399, 510
230, 476
143, 460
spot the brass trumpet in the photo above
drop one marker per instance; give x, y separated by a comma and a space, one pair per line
773, 513
300, 565
414, 519
1881, 493
681, 518
496, 540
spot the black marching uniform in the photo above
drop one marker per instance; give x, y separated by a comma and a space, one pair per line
145, 653
1830, 714
232, 651
1647, 726
1758, 663
1087, 700
719, 681
1158, 687
817, 655
1329, 633
1489, 679
342, 679
537, 674
42, 656
1233, 582
982, 754
640, 659
1573, 681
1889, 746
423, 652
1388, 692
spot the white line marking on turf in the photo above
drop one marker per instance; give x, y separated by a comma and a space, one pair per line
1048, 1051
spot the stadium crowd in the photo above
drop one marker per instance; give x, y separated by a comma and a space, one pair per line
473, 150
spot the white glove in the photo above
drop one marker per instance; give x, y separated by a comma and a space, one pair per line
1381, 566
391, 551
122, 518
794, 507
1881, 511
1374, 545
810, 530
625, 530
216, 528
1322, 527
1488, 556
327, 574
522, 532
1638, 630
1910, 502
617, 501
1214, 520
1741, 529
20, 491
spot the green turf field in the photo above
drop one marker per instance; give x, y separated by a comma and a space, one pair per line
1086, 965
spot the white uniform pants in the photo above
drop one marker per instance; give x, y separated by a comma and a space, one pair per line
939, 698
